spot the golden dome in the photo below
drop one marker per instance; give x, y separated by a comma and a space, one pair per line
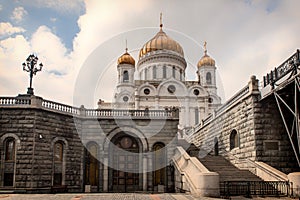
206, 60
126, 58
161, 42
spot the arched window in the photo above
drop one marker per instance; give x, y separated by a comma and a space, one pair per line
173, 71
146, 74
154, 72
181, 75
91, 165
164, 71
208, 78
9, 161
234, 139
58, 153
159, 164
9, 149
125, 76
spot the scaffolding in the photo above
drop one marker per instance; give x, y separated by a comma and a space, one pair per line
287, 93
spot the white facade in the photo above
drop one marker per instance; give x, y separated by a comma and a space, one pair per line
161, 82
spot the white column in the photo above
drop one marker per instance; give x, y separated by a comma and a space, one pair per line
156, 102
187, 112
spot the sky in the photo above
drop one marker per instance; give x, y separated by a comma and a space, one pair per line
79, 41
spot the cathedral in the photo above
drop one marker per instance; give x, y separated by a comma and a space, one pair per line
140, 142
161, 84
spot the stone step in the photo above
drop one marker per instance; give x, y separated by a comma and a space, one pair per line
226, 170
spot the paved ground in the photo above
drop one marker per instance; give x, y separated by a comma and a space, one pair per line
114, 196
103, 196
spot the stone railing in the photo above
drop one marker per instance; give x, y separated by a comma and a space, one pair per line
51, 105
9, 101
120, 113
250, 88
192, 176
38, 102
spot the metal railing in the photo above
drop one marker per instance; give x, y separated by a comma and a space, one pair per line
255, 188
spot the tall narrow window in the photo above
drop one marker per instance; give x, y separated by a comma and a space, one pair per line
146, 74
91, 165
173, 71
164, 71
208, 78
10, 149
125, 76
234, 139
196, 116
154, 72
159, 164
181, 75
58, 152
9, 161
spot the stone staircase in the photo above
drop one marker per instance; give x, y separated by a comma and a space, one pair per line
226, 170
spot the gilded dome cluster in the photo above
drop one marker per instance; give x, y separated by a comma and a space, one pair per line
161, 41
206, 60
126, 58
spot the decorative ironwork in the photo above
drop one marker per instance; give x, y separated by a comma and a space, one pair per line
256, 188
290, 65
30, 66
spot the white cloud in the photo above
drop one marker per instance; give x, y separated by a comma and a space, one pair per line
243, 39
53, 19
6, 29
18, 14
63, 6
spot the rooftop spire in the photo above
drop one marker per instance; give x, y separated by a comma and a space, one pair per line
205, 48
161, 25
126, 49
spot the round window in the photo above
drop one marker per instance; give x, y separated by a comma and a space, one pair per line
210, 100
146, 91
196, 92
125, 98
171, 89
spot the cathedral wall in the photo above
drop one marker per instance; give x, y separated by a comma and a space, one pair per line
248, 129
272, 142
36, 131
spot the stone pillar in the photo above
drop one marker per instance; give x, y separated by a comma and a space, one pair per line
145, 168
294, 178
105, 174
36, 101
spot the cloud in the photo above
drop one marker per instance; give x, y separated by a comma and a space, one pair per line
62, 6
18, 14
6, 29
244, 39
53, 19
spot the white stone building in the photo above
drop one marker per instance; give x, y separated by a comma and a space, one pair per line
161, 83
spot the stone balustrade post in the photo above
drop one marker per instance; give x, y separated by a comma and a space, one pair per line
82, 110
253, 84
36, 101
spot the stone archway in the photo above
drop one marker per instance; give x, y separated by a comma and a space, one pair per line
125, 164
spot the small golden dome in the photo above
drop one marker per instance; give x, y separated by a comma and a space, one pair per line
161, 42
206, 60
126, 58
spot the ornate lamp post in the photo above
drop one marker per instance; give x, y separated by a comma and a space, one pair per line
30, 66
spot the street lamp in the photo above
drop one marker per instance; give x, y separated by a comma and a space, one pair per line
30, 66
